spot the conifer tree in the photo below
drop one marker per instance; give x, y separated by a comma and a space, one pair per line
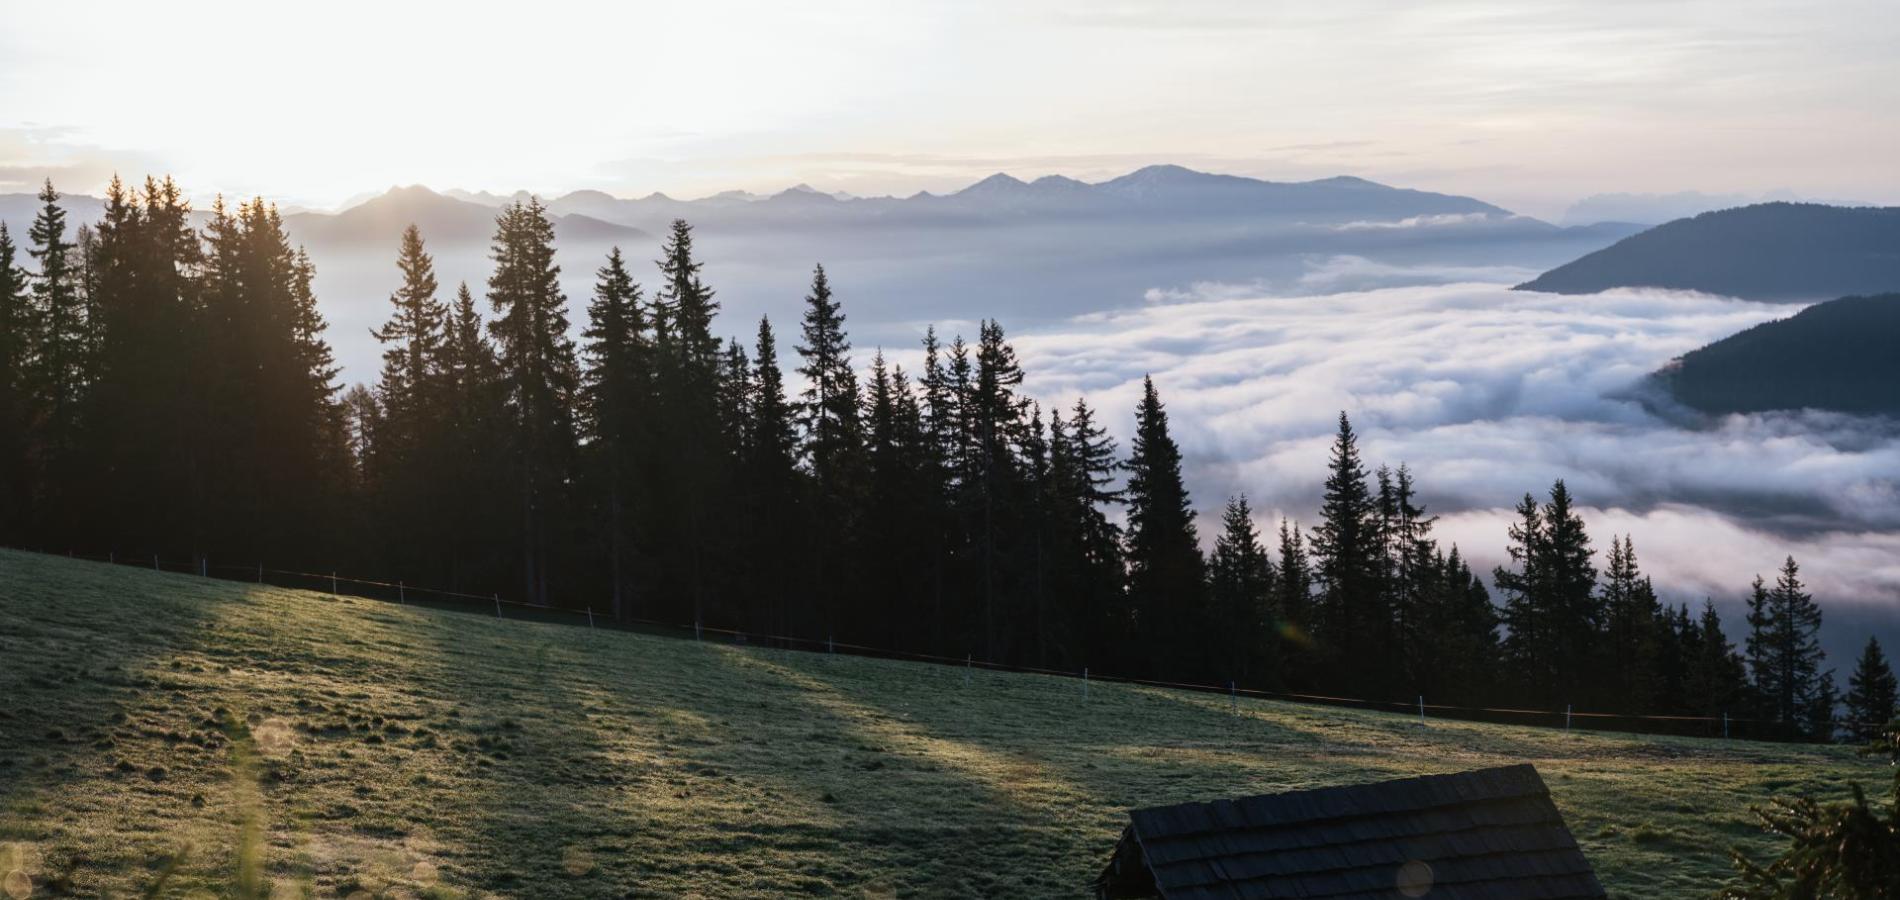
146, 383
772, 487
833, 444
693, 463
890, 503
412, 336
994, 489
616, 403
16, 325
1240, 591
1354, 625
475, 426
1634, 622
1084, 462
1785, 654
1165, 579
1294, 590
1456, 651
1550, 607
408, 445
59, 317
1717, 677
541, 377
1412, 578
1872, 693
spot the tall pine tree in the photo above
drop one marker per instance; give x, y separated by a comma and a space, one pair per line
1166, 585
541, 375
1872, 693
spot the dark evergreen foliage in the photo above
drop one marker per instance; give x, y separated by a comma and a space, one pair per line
1872, 693
1836, 355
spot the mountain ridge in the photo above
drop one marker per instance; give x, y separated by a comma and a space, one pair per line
1768, 251
1835, 356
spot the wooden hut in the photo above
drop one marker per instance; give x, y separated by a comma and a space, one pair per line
1490, 834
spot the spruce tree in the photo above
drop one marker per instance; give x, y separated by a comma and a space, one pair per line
1872, 693
1165, 579
995, 490
541, 377
616, 404
476, 427
409, 443
412, 335
694, 464
15, 343
1354, 624
1294, 591
57, 370
1785, 654
1086, 466
833, 446
1717, 678
772, 489
1634, 621
60, 325
1411, 575
1550, 608
1240, 590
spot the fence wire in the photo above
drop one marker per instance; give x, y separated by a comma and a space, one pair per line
398, 591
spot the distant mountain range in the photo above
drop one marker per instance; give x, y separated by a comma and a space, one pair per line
380, 220
1838, 356
1034, 252
1770, 251
1168, 192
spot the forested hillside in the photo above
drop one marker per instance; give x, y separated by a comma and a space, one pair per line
1770, 251
1839, 356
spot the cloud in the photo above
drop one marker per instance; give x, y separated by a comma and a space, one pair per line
1444, 220
1487, 394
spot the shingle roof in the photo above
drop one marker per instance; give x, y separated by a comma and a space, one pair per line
1491, 834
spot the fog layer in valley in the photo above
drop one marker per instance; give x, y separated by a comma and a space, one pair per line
1488, 393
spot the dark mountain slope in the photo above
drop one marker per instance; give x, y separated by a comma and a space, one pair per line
1840, 355
1771, 251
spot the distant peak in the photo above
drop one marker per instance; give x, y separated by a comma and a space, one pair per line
998, 182
1164, 170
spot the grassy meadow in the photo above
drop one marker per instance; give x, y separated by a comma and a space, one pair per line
170, 736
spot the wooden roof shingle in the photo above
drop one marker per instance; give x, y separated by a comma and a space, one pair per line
1490, 834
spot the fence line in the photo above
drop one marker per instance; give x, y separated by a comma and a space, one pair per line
1554, 718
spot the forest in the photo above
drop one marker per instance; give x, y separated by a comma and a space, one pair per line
166, 387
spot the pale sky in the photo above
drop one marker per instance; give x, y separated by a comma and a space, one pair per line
1528, 104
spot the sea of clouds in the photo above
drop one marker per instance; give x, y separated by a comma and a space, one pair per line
1487, 394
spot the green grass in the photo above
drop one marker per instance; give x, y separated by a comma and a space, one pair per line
164, 735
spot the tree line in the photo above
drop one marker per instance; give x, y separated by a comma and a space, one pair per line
167, 388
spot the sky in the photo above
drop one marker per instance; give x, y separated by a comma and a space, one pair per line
1531, 104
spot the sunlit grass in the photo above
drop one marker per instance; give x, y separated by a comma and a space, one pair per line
185, 737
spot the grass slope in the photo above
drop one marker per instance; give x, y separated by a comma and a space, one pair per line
209, 738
